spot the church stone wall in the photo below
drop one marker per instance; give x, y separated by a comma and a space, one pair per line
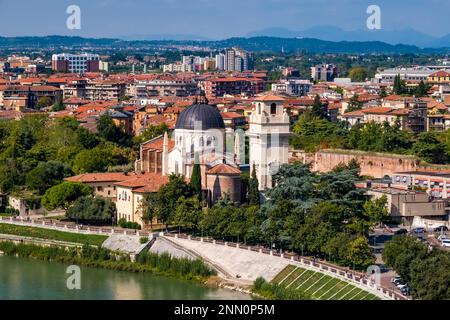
219, 185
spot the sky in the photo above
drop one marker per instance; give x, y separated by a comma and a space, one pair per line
215, 19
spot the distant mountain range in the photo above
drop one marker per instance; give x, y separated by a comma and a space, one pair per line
165, 36
260, 43
406, 36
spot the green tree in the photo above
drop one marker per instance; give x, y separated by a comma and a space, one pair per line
196, 177
188, 212
110, 132
44, 102
400, 252
58, 107
149, 208
354, 104
151, 132
92, 209
430, 149
167, 198
64, 194
359, 253
358, 74
93, 160
422, 89
376, 210
399, 85
253, 188
46, 175
319, 110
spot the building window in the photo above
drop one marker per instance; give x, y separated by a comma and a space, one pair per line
273, 108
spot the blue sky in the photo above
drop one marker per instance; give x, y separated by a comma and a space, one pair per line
214, 18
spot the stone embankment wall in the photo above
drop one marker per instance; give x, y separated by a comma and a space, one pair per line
372, 164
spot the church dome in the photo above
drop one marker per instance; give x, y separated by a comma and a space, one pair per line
209, 117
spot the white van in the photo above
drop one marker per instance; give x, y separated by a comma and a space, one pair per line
446, 243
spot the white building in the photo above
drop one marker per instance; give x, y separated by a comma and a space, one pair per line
76, 63
293, 87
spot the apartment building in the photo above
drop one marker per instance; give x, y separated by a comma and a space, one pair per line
436, 184
164, 86
76, 63
219, 87
293, 87
324, 72
27, 96
105, 90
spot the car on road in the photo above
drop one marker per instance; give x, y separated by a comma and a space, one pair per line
445, 243
406, 291
418, 230
440, 229
400, 232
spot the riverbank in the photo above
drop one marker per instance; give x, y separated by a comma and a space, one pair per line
32, 279
146, 262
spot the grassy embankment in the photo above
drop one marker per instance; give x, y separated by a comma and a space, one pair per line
49, 234
294, 283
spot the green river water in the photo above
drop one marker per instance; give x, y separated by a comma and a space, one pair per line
22, 278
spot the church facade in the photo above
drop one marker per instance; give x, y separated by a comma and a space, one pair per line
200, 137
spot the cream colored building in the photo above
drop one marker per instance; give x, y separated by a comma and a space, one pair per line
131, 192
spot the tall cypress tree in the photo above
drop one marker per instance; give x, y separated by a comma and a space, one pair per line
318, 109
253, 188
196, 178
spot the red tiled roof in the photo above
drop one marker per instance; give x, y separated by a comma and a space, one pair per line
102, 177
157, 144
269, 98
440, 74
231, 115
148, 182
224, 169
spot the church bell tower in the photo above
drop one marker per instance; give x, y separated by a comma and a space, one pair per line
269, 133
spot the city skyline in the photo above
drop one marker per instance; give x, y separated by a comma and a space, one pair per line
212, 20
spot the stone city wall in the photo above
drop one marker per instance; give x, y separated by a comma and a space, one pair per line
376, 165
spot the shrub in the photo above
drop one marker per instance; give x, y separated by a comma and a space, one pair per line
143, 240
123, 223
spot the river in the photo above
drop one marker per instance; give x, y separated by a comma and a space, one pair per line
22, 278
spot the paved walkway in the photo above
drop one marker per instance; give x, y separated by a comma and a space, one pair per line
161, 245
249, 265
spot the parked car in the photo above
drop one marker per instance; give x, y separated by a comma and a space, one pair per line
445, 243
443, 236
419, 230
401, 231
406, 291
401, 286
440, 229
396, 280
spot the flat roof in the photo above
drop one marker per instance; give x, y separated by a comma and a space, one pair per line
394, 191
425, 173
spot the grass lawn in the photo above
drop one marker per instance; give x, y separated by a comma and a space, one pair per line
319, 285
48, 234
